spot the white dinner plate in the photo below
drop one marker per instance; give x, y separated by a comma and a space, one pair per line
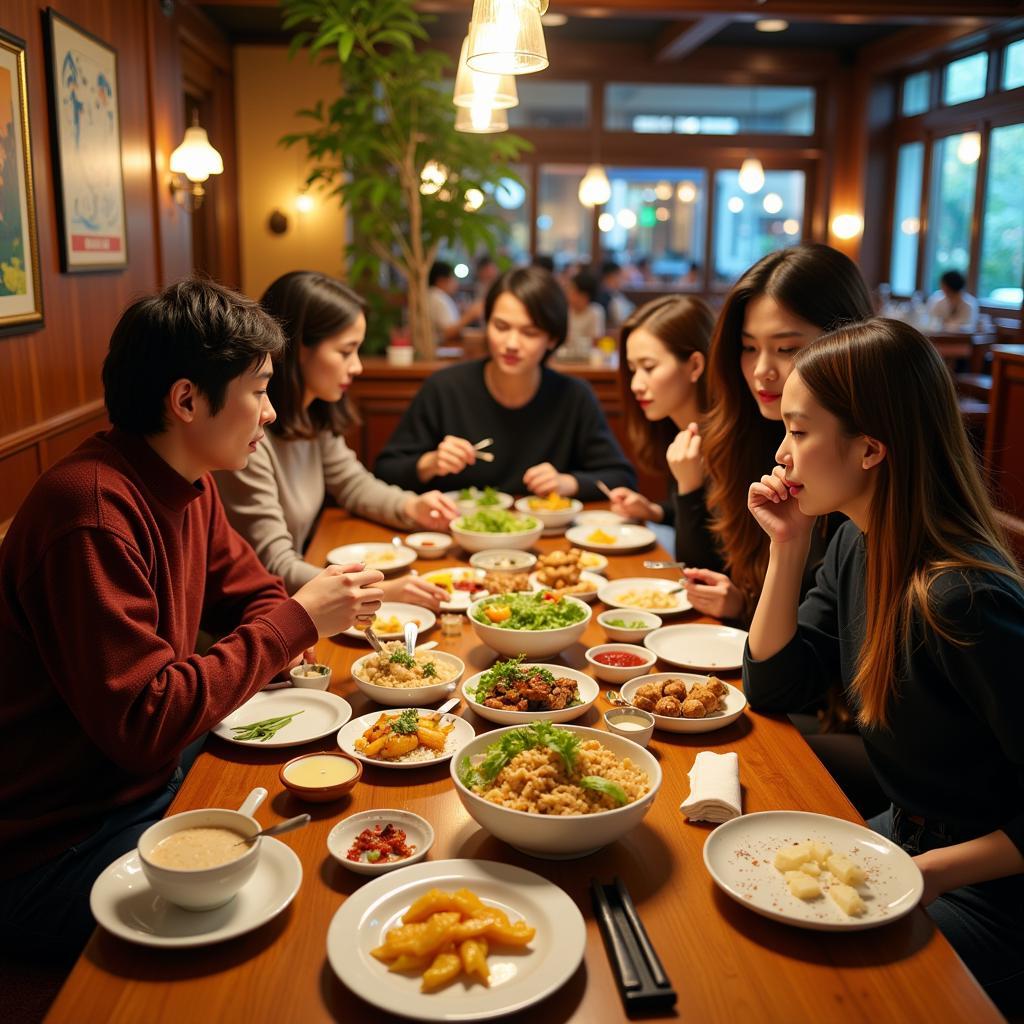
599, 517
740, 857
388, 558
735, 703
612, 591
625, 537
460, 600
348, 734
404, 613
519, 978
322, 713
699, 645
594, 580
123, 902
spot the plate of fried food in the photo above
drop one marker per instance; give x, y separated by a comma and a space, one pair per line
682, 702
405, 737
510, 692
389, 622
456, 940
563, 573
506, 582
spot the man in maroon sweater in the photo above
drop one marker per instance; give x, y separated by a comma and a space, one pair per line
118, 556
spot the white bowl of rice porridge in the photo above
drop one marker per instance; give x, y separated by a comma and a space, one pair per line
397, 683
536, 805
199, 859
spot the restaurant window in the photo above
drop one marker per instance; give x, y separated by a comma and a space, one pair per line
906, 225
709, 109
655, 222
550, 104
1013, 65
747, 227
950, 206
563, 222
510, 201
964, 79
1002, 237
916, 93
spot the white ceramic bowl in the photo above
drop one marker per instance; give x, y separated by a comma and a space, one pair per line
615, 673
202, 888
503, 560
620, 633
306, 680
551, 519
467, 506
531, 643
409, 696
418, 833
600, 517
588, 694
429, 545
735, 702
470, 540
616, 722
553, 836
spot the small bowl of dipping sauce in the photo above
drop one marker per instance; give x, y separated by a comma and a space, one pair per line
321, 777
618, 663
373, 842
429, 545
311, 676
630, 723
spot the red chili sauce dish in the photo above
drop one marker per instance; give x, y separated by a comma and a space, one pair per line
619, 659
380, 844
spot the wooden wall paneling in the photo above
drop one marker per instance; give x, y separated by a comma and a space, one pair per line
1004, 451
18, 473
53, 448
19, 399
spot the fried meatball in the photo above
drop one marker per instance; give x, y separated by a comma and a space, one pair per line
693, 709
706, 697
644, 703
675, 688
670, 707
651, 690
716, 686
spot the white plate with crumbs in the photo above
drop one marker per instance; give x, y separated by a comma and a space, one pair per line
740, 856
123, 902
699, 645
422, 757
646, 594
519, 976
396, 610
388, 558
322, 713
617, 538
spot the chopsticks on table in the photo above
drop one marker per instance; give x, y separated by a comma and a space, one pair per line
639, 974
482, 455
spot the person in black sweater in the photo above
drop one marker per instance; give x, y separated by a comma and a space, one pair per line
662, 357
549, 431
918, 612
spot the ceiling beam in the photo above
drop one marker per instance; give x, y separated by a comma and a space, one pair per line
679, 40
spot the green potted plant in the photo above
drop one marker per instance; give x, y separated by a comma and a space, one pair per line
387, 147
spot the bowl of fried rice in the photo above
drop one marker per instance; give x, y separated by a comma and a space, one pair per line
395, 679
555, 791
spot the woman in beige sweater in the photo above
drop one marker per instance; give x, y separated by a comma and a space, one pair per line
275, 501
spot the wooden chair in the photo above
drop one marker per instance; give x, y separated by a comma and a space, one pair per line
1004, 439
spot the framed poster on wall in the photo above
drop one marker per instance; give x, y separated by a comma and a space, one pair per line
86, 129
21, 300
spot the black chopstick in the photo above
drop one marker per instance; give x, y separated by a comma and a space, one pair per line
640, 976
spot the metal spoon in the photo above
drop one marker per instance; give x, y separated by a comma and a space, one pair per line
275, 830
411, 633
648, 564
365, 623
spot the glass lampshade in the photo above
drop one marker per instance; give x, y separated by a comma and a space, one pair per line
751, 178
480, 120
595, 189
506, 37
475, 88
195, 157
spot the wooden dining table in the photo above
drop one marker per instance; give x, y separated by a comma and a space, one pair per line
725, 962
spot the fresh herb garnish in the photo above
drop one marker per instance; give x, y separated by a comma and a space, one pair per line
623, 624
429, 670
373, 856
489, 497
264, 729
499, 753
402, 657
508, 672
605, 786
406, 723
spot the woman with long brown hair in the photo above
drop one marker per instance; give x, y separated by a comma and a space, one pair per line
662, 356
917, 611
781, 304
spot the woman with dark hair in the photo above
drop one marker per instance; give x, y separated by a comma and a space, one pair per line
549, 432
275, 501
662, 357
781, 304
917, 611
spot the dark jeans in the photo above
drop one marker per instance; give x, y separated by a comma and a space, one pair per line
44, 912
984, 923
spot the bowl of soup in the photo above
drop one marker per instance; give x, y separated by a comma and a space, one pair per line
199, 859
321, 777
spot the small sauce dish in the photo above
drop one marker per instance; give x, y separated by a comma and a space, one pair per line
618, 663
321, 777
631, 724
429, 545
311, 676
418, 834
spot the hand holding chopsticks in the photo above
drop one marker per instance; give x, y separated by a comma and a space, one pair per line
480, 453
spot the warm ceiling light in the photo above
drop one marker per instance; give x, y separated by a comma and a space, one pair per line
968, 149
626, 219
687, 192
791, 226
195, 159
605, 222
772, 202
910, 225
474, 200
595, 188
432, 177
476, 89
506, 37
751, 175
771, 25
480, 121
663, 191
735, 205
847, 225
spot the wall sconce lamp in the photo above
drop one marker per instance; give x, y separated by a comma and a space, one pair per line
191, 164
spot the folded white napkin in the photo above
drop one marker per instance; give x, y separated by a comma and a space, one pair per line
714, 788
